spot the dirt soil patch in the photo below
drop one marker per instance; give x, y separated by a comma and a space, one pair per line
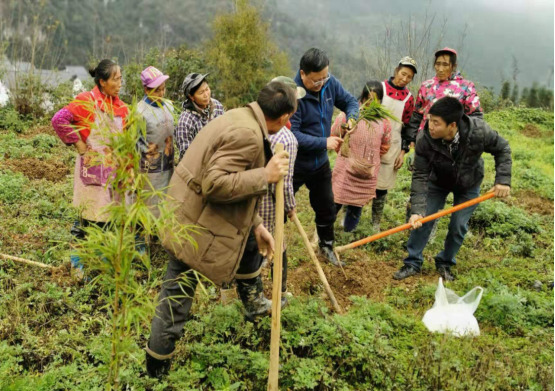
40, 129
33, 168
371, 279
532, 131
532, 203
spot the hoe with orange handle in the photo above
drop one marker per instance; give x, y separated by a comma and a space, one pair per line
406, 226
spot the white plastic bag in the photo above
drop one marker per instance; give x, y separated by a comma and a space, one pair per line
453, 314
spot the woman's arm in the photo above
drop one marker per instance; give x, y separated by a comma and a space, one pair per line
62, 122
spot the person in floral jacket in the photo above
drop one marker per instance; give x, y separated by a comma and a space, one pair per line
447, 82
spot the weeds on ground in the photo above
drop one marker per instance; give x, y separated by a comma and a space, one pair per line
59, 336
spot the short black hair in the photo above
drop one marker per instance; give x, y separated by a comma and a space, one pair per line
448, 108
103, 71
371, 86
276, 99
452, 57
314, 60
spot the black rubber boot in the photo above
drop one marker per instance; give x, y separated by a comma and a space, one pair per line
252, 295
157, 368
378, 205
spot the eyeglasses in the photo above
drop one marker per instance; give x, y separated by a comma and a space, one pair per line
320, 82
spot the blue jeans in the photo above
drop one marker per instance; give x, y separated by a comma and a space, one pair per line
458, 226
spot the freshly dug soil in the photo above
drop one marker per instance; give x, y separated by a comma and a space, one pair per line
368, 278
33, 168
532, 203
532, 131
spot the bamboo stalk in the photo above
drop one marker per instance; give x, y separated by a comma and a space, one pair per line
423, 220
314, 258
26, 261
273, 376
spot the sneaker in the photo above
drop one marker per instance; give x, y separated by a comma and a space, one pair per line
445, 273
328, 253
404, 272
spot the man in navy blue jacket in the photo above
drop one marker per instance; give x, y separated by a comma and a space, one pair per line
311, 124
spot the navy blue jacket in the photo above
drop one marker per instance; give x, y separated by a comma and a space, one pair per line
311, 123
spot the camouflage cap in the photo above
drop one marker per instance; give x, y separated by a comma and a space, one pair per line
409, 62
291, 83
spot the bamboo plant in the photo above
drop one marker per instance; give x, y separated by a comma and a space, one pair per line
370, 111
111, 255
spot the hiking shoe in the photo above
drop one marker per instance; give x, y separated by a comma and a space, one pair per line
328, 253
404, 272
445, 273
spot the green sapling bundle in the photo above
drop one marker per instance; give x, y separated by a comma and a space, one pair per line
370, 111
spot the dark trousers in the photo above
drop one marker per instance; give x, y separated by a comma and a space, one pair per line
352, 216
176, 297
458, 226
320, 194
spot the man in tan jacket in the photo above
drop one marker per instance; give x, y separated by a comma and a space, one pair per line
217, 187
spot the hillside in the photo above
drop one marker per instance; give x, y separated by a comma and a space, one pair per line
355, 33
55, 332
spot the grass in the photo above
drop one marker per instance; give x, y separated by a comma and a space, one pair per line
55, 334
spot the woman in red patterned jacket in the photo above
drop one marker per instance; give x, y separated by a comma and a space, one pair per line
81, 123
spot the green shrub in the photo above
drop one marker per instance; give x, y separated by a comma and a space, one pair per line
43, 143
503, 309
496, 218
12, 187
10, 119
532, 178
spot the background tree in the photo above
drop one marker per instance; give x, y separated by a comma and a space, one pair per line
533, 99
514, 95
545, 98
174, 62
244, 55
524, 96
505, 90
